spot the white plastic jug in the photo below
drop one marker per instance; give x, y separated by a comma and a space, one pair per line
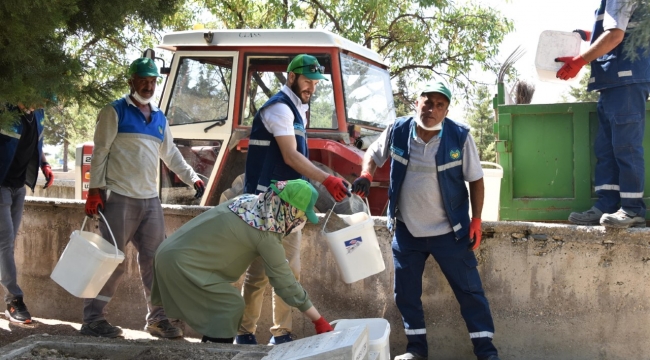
87, 262
378, 335
492, 183
355, 248
553, 44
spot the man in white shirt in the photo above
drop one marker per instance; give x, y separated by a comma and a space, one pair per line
278, 151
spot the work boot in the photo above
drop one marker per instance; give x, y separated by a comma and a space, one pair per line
277, 340
589, 217
163, 329
101, 328
17, 311
246, 339
410, 356
621, 220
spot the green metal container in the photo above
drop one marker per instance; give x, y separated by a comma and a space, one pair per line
548, 161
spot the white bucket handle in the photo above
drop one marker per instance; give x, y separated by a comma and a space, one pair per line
109, 230
335, 203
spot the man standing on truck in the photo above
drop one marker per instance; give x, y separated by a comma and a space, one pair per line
278, 151
131, 136
21, 154
428, 210
624, 86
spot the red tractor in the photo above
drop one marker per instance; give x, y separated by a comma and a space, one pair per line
217, 80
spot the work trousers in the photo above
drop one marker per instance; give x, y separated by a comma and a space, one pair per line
620, 170
253, 291
12, 201
458, 265
139, 221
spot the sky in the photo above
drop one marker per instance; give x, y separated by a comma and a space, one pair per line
530, 19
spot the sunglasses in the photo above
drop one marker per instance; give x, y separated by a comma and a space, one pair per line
312, 68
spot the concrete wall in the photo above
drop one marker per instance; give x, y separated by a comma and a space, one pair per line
556, 291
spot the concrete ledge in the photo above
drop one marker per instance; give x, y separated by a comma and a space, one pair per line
556, 291
63, 347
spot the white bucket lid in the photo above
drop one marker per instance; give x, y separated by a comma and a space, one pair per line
553, 44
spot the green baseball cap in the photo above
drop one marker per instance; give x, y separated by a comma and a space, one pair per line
438, 87
308, 66
144, 67
299, 194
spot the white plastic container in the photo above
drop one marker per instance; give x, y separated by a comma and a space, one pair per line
492, 183
553, 44
86, 263
378, 335
355, 248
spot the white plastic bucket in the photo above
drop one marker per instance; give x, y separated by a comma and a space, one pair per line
86, 263
378, 335
492, 183
355, 248
553, 44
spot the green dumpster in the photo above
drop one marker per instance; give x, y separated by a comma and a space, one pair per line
546, 152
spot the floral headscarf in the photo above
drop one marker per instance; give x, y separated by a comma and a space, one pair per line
267, 212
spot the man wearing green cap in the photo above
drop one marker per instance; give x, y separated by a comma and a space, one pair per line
131, 136
431, 159
197, 265
278, 151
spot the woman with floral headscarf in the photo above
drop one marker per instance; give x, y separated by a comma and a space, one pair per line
196, 266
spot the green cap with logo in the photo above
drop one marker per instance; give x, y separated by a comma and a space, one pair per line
144, 67
438, 87
308, 66
299, 194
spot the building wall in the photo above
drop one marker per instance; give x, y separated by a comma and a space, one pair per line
556, 291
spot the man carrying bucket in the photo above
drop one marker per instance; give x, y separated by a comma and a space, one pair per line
428, 210
278, 151
21, 154
130, 137
624, 86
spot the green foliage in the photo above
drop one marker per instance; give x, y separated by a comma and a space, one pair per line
480, 117
639, 42
429, 38
75, 50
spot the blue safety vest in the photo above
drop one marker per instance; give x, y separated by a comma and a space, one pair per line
615, 68
264, 161
9, 142
132, 121
449, 164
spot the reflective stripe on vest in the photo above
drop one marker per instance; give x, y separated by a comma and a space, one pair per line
11, 134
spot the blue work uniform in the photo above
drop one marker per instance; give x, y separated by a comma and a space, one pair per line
450, 250
624, 86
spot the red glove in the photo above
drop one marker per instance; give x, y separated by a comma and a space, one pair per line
47, 172
475, 233
571, 67
337, 187
322, 326
199, 186
361, 186
585, 35
94, 202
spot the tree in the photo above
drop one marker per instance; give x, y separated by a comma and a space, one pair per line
480, 116
69, 125
72, 49
420, 40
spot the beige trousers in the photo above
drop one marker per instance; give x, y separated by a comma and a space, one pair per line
253, 291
